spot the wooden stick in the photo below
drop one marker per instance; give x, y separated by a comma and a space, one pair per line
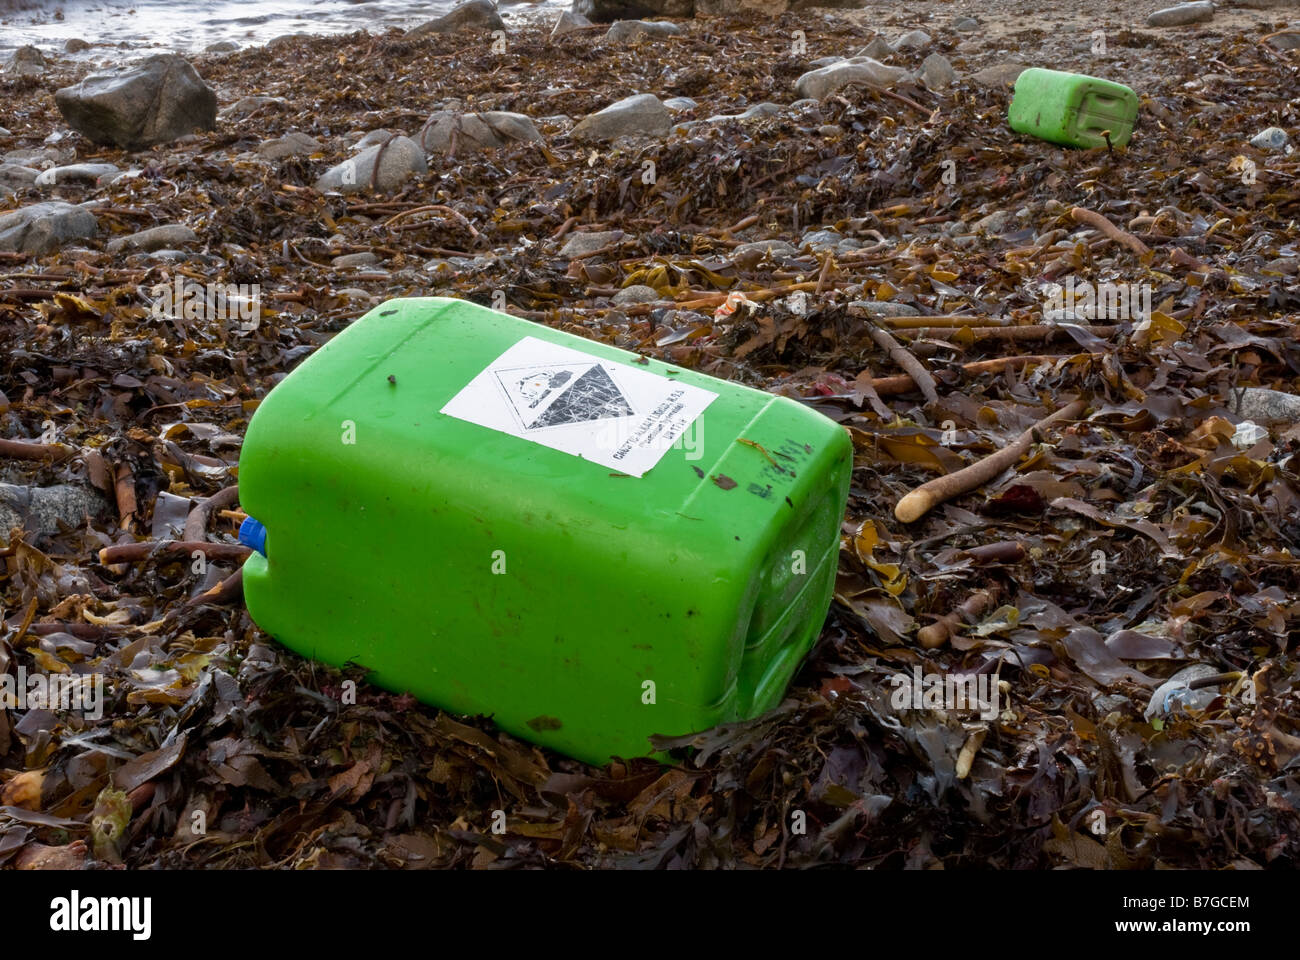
196, 524
1035, 331
916, 504
919, 322
124, 489
892, 386
1104, 226
27, 450
228, 590
430, 208
937, 633
904, 358
173, 550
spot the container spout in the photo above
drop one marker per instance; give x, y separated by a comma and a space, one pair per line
253, 534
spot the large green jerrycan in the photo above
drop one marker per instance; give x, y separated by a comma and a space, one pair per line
1072, 109
500, 518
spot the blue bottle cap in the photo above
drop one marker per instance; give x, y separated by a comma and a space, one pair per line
253, 534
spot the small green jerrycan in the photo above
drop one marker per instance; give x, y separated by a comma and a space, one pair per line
504, 519
1072, 109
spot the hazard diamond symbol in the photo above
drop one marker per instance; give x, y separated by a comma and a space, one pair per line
552, 395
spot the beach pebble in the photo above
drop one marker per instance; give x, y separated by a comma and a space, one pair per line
155, 238
819, 84
41, 227
637, 293
14, 176
1264, 405
583, 243
290, 145
476, 131
936, 72
642, 114
92, 173
1184, 13
41, 510
998, 75
749, 255
353, 260
1272, 138
880, 308
625, 30
877, 49
246, 105
913, 40
402, 160
568, 22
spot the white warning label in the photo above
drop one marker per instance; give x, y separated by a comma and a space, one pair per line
600, 410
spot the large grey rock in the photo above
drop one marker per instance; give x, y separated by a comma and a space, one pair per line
27, 61
819, 84
402, 159
966, 24
41, 510
41, 227
625, 30
290, 145
155, 238
607, 11
936, 72
642, 114
1184, 13
154, 101
91, 173
476, 131
471, 15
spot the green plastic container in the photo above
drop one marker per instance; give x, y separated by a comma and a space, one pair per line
505, 519
1072, 109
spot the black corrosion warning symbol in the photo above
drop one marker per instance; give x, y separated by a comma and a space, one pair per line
552, 395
